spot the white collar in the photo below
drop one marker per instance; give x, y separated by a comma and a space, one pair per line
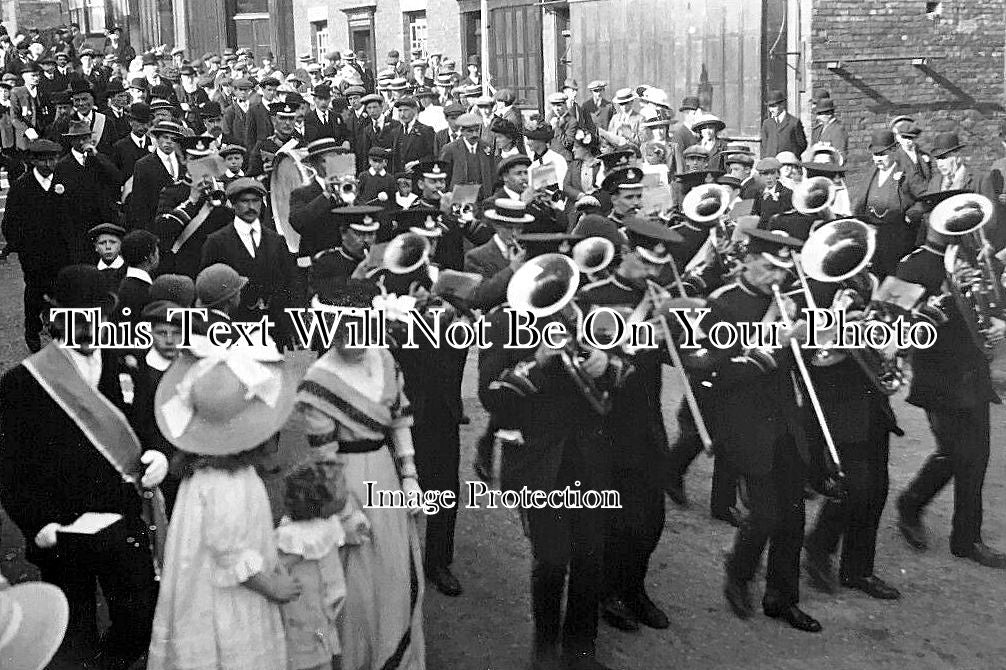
239, 173
89, 366
165, 158
137, 273
406, 201
114, 265
79, 156
500, 244
155, 360
44, 182
513, 195
89, 118
377, 174
139, 140
245, 228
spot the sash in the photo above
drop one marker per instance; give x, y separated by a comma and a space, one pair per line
127, 188
192, 227
105, 426
98, 131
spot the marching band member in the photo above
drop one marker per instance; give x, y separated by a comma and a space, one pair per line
951, 381
625, 186
358, 228
431, 177
757, 426
263, 153
312, 205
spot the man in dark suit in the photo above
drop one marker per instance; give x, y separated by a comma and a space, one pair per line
74, 462
38, 226
829, 130
104, 131
599, 109
236, 115
452, 112
781, 131
259, 123
92, 182
311, 206
187, 215
323, 121
556, 438
913, 159
952, 382
501, 256
116, 107
774, 198
470, 159
134, 146
377, 130
417, 140
257, 253
152, 173
139, 250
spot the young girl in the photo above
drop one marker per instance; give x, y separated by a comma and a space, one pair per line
222, 583
309, 539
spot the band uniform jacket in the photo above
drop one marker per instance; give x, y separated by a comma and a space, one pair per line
236, 123
93, 189
748, 409
470, 168
553, 417
335, 127
786, 135
450, 253
487, 260
149, 178
833, 134
50, 472
953, 373
418, 143
270, 275
600, 114
635, 424
174, 213
39, 226
311, 216
26, 112
765, 207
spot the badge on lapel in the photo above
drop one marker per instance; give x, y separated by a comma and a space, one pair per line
59, 189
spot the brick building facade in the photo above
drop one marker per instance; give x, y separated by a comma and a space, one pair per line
940, 62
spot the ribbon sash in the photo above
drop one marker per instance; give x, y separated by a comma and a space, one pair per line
98, 131
191, 228
127, 188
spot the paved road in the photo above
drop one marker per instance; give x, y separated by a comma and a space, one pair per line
953, 613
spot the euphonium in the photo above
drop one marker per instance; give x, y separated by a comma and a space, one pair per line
839, 252
593, 255
706, 204
973, 281
545, 286
814, 195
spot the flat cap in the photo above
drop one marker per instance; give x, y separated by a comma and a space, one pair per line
243, 185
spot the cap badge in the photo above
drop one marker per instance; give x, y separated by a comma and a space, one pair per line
367, 220
660, 249
436, 169
564, 248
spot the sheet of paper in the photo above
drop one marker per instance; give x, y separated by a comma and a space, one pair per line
541, 176
91, 523
209, 166
465, 194
655, 200
340, 164
654, 175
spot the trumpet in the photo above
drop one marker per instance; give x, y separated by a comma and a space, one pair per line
971, 276
214, 193
347, 189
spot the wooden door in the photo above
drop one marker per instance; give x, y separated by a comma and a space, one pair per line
252, 32
515, 51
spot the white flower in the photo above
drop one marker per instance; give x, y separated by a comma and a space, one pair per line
59, 189
396, 308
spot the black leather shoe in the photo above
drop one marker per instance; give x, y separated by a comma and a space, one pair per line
794, 616
675, 490
738, 595
647, 612
582, 662
820, 572
982, 554
911, 526
445, 581
873, 586
617, 613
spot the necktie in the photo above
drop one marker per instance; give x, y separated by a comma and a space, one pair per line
253, 234
377, 128
324, 119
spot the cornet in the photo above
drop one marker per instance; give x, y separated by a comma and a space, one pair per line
214, 193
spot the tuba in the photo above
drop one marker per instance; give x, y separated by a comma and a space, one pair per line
839, 252
545, 286
706, 204
814, 196
593, 255
971, 276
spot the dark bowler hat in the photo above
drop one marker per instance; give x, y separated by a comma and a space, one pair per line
106, 229
651, 240
623, 179
44, 148
323, 91
775, 97
946, 144
825, 105
114, 88
511, 162
407, 101
881, 141
80, 287
243, 185
78, 86
139, 111
60, 98
509, 212
78, 129
210, 110
775, 246
616, 159
363, 219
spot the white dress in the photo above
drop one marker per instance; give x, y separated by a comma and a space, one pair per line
220, 535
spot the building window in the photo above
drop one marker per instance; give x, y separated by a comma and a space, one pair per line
319, 39
415, 32
90, 14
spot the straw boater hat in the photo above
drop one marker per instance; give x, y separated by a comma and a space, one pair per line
33, 620
219, 402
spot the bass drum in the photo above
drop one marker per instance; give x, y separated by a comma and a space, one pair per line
288, 173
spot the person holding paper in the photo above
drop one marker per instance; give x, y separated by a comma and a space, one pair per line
432, 178
471, 160
82, 463
538, 150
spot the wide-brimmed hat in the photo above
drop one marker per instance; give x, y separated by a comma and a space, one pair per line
708, 120
510, 212
219, 402
33, 620
623, 96
946, 144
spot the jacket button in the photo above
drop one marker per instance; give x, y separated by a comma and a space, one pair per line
130, 540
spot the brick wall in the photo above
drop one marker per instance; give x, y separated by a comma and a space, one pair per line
960, 89
23, 14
